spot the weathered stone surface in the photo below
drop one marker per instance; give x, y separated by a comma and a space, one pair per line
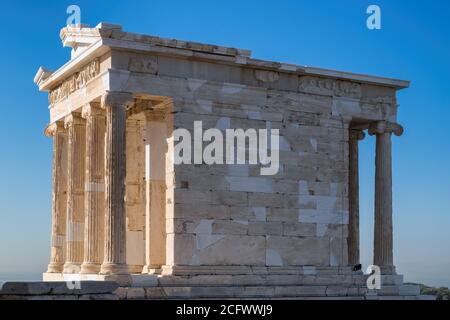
27, 288
299, 229
297, 251
257, 228
121, 293
303, 291
135, 293
323, 216
99, 297
247, 250
259, 199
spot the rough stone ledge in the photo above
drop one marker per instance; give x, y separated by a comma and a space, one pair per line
99, 290
57, 288
104, 296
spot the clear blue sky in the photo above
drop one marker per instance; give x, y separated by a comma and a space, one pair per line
413, 44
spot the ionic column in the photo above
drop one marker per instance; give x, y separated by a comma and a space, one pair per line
75, 192
59, 196
94, 188
383, 244
353, 193
115, 104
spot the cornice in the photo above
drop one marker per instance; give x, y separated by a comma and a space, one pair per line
108, 37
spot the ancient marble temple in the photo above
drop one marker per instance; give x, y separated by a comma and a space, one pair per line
122, 210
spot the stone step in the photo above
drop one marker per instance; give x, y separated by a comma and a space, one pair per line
403, 290
37, 288
110, 290
261, 292
272, 280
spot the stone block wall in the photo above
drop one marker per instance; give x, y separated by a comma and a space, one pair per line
230, 215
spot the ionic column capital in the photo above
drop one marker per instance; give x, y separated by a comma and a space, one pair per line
356, 134
113, 99
92, 109
381, 127
54, 128
73, 119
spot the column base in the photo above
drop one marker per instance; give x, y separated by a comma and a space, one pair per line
388, 270
72, 267
90, 268
114, 269
55, 268
151, 269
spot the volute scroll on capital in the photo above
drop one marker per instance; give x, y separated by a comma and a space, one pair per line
381, 127
356, 134
54, 128
113, 99
92, 109
73, 119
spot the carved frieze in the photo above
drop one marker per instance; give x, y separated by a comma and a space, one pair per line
266, 76
383, 99
331, 87
75, 82
143, 64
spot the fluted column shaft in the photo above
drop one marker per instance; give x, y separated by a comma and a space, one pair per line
94, 188
383, 236
115, 227
353, 193
59, 196
75, 192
